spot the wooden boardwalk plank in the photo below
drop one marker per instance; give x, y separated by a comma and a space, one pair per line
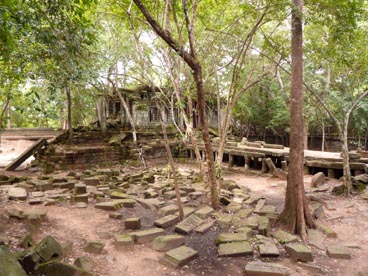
26, 154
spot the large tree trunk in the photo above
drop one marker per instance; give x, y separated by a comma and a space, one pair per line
296, 214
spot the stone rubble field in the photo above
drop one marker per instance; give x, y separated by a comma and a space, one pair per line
122, 214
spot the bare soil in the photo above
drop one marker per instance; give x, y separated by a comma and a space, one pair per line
69, 224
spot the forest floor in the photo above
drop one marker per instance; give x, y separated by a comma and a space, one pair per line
348, 217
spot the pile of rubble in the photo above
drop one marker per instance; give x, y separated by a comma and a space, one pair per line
91, 147
242, 226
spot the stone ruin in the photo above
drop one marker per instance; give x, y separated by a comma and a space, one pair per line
145, 204
91, 147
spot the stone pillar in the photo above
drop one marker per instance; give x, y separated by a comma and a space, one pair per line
284, 166
331, 173
264, 166
246, 162
231, 160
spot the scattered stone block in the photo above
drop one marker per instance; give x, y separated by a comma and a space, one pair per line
179, 256
167, 242
234, 249
119, 195
132, 223
167, 221
108, 206
232, 237
84, 263
17, 193
260, 203
340, 252
49, 249
124, 242
80, 189
58, 268
187, 211
80, 198
268, 249
204, 227
316, 238
224, 221
127, 203
318, 179
147, 235
35, 214
299, 252
328, 231
35, 201
9, 265
265, 269
284, 237
44, 186
188, 224
94, 247
168, 210
116, 215
233, 207
91, 181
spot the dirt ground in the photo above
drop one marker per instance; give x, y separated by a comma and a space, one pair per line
348, 217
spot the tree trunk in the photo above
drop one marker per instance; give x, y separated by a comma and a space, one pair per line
323, 136
296, 214
8, 121
192, 61
345, 157
69, 104
306, 130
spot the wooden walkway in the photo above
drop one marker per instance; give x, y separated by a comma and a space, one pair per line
29, 133
252, 155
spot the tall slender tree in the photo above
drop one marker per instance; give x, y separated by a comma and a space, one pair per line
296, 214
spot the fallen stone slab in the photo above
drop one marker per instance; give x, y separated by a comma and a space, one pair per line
224, 221
147, 235
124, 242
35, 214
187, 211
188, 224
284, 237
232, 237
58, 268
119, 195
268, 249
316, 238
340, 252
205, 227
234, 249
318, 179
84, 263
108, 206
91, 181
299, 252
17, 193
49, 249
94, 247
9, 265
127, 203
265, 269
168, 210
167, 242
179, 256
116, 215
167, 221
327, 230
132, 223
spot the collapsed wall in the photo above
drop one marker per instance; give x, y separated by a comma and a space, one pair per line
90, 147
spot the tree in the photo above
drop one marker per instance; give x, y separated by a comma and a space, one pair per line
191, 59
296, 214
